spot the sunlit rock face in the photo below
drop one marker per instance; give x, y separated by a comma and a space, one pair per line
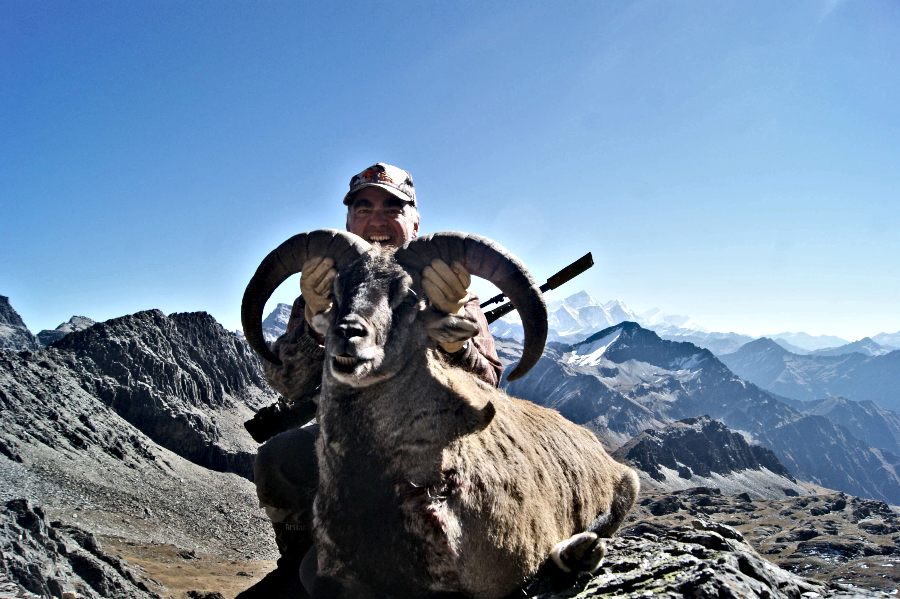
13, 332
703, 452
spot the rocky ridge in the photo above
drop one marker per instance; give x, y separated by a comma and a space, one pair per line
13, 332
64, 449
183, 380
133, 428
76, 323
703, 452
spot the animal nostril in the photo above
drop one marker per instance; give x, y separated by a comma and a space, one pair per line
348, 330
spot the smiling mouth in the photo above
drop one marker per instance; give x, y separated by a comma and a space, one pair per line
379, 238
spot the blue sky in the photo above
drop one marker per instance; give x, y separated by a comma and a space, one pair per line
736, 162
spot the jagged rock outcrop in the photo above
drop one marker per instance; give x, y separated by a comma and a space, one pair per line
13, 332
700, 559
76, 323
704, 452
183, 380
48, 559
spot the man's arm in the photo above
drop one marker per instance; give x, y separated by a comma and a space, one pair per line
479, 355
447, 288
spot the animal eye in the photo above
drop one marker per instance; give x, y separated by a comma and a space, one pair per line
401, 294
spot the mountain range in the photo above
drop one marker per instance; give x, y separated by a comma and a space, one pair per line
579, 315
135, 427
858, 376
626, 379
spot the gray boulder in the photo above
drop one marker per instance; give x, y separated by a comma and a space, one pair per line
699, 560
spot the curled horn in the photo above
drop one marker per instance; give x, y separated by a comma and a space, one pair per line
284, 261
488, 260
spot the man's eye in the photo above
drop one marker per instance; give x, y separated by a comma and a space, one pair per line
363, 211
394, 212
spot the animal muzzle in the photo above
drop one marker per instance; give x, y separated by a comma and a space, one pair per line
352, 343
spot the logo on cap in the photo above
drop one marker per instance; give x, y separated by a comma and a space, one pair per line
393, 179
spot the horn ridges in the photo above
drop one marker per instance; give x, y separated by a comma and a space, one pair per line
285, 260
489, 260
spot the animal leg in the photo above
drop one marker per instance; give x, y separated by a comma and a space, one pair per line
579, 553
624, 496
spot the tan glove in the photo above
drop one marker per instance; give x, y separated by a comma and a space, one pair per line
447, 289
315, 286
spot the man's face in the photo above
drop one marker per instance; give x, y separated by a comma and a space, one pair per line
379, 217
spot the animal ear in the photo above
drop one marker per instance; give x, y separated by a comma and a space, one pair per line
448, 328
478, 411
486, 413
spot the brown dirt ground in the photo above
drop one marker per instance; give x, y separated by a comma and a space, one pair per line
176, 571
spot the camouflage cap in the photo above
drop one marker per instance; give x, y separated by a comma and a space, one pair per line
386, 176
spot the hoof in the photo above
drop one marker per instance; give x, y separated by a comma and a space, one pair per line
579, 553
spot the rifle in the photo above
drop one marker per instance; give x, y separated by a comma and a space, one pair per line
566, 274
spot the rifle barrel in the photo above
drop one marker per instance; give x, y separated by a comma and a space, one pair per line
569, 272
566, 274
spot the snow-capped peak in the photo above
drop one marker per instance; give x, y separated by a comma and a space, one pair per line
590, 354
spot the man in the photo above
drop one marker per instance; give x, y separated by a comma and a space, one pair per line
381, 208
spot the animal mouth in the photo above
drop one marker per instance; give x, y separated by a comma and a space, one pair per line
347, 364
